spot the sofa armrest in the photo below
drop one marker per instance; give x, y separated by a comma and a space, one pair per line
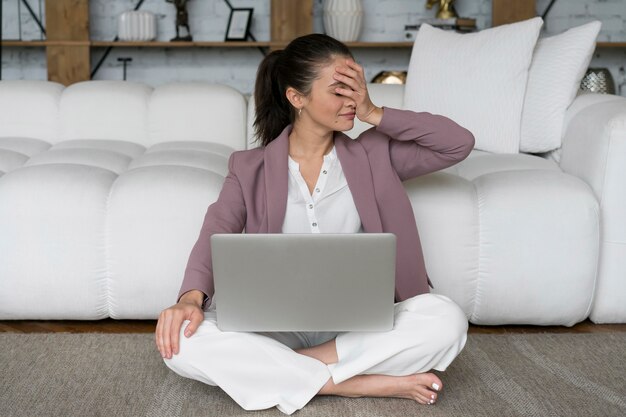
594, 149
594, 145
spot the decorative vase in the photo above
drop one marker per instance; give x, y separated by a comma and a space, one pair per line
135, 25
598, 80
343, 19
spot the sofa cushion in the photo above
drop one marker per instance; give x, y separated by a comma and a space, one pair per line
113, 155
53, 263
30, 108
510, 246
100, 158
215, 148
154, 216
195, 111
114, 110
476, 79
480, 163
538, 229
122, 147
14, 151
559, 63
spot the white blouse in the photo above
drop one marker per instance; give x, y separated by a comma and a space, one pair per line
330, 209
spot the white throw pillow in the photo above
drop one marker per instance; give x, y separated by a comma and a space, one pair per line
559, 63
476, 79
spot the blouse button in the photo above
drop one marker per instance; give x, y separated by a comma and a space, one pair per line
310, 206
317, 190
314, 224
325, 172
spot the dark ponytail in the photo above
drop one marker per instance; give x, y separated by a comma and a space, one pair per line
272, 108
296, 66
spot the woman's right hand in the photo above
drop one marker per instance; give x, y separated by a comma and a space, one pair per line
171, 320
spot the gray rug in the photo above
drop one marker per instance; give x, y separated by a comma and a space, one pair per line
496, 375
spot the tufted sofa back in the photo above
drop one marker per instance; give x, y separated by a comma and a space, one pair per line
121, 110
103, 189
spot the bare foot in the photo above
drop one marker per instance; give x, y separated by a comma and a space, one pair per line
418, 387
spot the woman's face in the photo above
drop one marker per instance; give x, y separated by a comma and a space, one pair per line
323, 106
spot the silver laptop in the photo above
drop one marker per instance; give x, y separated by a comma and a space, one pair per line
304, 282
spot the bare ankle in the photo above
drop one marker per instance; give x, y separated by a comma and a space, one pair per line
325, 352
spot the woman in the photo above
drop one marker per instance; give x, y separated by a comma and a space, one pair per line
308, 177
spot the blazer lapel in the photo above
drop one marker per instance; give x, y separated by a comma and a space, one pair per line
276, 180
356, 169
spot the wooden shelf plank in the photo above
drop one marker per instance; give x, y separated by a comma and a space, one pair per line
24, 43
241, 44
379, 44
610, 44
219, 44
165, 44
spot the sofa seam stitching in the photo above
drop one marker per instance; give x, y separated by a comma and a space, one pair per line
478, 223
107, 249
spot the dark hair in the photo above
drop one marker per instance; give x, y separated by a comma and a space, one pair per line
296, 66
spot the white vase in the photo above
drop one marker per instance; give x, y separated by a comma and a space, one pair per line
136, 25
343, 19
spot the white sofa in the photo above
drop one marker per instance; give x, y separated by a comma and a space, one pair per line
104, 186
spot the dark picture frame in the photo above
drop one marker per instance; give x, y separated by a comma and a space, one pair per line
238, 27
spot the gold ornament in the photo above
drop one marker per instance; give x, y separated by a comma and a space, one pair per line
446, 8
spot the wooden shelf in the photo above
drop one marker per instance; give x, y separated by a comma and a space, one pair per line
610, 44
166, 44
379, 44
160, 44
219, 44
28, 44
25, 44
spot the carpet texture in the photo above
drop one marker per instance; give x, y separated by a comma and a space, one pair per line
499, 375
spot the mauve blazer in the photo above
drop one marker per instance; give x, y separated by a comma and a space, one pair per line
405, 145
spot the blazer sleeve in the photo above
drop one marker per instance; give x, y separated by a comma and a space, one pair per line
421, 142
226, 215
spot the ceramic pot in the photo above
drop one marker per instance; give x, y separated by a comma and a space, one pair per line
137, 25
343, 19
598, 80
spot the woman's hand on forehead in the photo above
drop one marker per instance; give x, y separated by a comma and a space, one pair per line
353, 77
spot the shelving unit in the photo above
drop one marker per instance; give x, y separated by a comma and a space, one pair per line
68, 47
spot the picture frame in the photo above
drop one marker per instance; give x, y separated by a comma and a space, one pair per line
238, 28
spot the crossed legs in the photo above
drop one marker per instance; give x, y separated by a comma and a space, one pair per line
263, 370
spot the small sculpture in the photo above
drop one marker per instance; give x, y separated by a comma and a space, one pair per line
446, 8
182, 19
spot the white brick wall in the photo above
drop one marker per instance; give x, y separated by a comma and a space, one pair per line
384, 21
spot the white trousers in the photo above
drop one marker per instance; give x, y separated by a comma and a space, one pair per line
262, 370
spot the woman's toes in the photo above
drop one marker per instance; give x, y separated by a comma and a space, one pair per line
421, 399
430, 380
425, 392
435, 383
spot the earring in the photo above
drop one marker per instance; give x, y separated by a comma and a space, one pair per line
300, 112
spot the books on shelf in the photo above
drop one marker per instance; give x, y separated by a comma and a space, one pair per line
461, 24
